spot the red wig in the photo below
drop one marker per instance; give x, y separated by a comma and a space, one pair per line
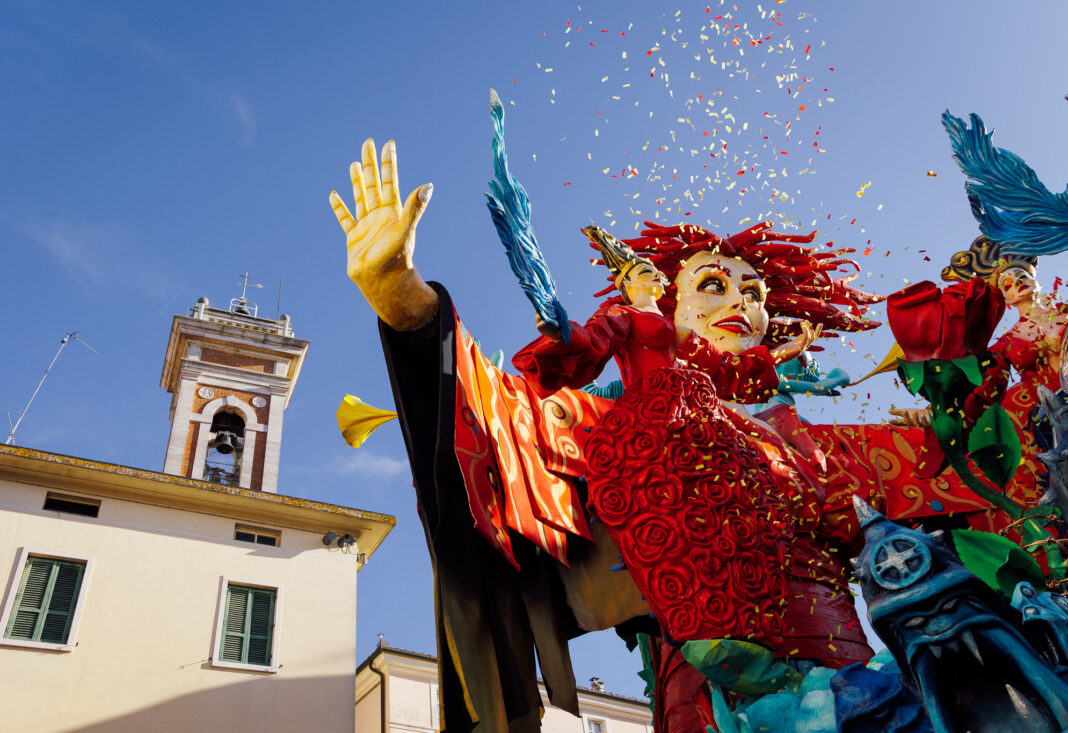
799, 279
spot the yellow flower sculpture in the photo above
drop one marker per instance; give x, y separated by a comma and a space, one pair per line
356, 419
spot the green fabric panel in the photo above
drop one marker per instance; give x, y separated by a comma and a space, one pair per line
740, 666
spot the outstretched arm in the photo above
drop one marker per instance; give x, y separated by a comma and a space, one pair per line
380, 239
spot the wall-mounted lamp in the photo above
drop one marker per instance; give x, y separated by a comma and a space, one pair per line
346, 541
329, 537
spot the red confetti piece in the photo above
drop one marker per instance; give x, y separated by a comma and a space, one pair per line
807, 48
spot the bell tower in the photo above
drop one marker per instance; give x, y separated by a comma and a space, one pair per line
231, 374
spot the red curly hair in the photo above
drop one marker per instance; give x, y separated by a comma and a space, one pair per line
799, 279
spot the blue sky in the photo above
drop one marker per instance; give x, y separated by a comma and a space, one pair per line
152, 153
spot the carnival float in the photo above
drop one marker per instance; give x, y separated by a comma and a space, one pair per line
691, 509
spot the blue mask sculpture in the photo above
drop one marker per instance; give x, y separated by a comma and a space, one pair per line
953, 636
1044, 622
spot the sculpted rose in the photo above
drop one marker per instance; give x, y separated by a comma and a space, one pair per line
664, 493
711, 488
958, 321
720, 610
612, 501
702, 393
645, 444
619, 420
741, 528
682, 621
655, 539
604, 455
701, 523
674, 583
655, 380
677, 382
750, 574
711, 571
658, 406
684, 458
724, 546
699, 432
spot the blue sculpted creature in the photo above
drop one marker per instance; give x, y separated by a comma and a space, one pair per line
954, 637
1044, 621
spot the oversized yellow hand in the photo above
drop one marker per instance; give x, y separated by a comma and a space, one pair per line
380, 240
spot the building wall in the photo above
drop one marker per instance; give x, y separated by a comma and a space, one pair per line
412, 701
142, 659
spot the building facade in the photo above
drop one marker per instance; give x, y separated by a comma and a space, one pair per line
397, 692
143, 601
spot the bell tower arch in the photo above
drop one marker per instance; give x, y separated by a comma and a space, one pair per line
231, 375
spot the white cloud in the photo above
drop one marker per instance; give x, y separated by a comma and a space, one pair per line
243, 111
362, 462
79, 246
94, 252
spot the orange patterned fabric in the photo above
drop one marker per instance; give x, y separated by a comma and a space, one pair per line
515, 450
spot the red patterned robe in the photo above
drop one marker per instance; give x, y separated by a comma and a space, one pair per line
705, 506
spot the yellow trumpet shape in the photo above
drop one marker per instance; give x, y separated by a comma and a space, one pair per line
356, 419
888, 364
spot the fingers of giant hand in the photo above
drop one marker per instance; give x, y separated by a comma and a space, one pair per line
344, 218
356, 176
416, 204
390, 190
372, 181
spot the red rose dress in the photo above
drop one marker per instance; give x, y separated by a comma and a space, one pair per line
687, 497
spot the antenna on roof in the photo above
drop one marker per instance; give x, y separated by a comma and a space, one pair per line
66, 339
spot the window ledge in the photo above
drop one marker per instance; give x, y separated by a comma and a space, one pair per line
39, 645
220, 664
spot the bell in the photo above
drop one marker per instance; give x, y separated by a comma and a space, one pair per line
224, 443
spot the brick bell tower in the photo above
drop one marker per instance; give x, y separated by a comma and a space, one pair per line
231, 374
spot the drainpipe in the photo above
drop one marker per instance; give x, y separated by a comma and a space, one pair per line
382, 695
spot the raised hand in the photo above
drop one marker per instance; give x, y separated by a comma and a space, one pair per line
380, 240
794, 348
911, 417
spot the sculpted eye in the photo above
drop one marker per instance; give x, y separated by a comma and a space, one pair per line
755, 295
712, 284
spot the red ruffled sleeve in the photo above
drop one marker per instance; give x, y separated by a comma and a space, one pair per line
746, 377
550, 365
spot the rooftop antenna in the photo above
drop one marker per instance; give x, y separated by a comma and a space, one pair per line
66, 339
241, 305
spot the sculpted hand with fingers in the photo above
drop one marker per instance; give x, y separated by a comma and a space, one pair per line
380, 238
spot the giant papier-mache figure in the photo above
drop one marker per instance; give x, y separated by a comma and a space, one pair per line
734, 530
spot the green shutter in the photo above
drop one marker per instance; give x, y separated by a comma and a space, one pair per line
248, 625
45, 604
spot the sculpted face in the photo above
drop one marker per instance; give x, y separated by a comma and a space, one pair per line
644, 284
1018, 285
722, 300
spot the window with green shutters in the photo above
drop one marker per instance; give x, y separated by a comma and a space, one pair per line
44, 607
248, 626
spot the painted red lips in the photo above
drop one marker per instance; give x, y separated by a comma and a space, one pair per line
739, 325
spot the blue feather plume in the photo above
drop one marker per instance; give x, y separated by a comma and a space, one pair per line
510, 208
1012, 206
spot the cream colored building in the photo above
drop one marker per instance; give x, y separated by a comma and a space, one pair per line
142, 601
401, 687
